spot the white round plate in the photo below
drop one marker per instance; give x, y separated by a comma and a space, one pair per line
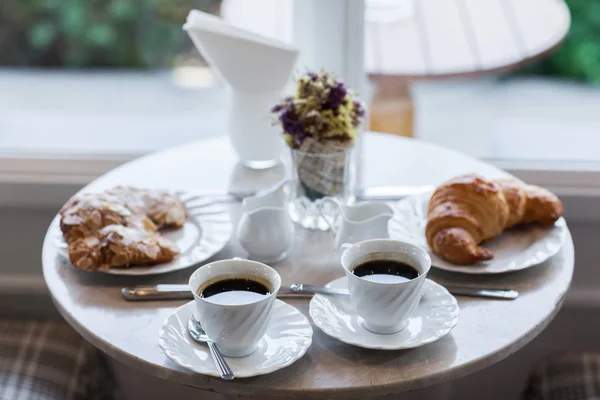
287, 339
435, 316
205, 232
515, 249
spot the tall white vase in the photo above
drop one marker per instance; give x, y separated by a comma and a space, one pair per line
256, 69
254, 138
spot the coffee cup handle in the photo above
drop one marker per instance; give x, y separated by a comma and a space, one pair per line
320, 204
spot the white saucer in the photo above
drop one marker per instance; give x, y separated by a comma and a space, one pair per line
288, 337
434, 318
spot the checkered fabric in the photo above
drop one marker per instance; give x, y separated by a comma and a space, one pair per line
570, 376
41, 360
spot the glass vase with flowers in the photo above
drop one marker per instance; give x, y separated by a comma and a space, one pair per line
320, 124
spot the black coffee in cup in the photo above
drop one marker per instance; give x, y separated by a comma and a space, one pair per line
234, 291
385, 271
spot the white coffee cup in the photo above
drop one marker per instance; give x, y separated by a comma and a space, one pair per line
236, 329
385, 307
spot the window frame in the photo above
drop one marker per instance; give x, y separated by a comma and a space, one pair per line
341, 54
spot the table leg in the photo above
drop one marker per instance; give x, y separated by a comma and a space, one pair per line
391, 108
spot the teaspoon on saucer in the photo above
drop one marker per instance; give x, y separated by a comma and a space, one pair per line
198, 334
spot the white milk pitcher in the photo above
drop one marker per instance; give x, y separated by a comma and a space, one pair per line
266, 230
362, 221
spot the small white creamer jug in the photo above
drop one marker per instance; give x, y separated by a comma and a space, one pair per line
358, 222
266, 230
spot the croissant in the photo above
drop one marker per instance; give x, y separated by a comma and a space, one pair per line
468, 210
530, 203
543, 207
86, 214
462, 213
516, 199
120, 246
118, 227
165, 210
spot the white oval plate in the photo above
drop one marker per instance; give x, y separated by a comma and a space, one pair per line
287, 339
515, 249
434, 317
205, 232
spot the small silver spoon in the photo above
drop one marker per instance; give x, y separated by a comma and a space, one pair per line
198, 334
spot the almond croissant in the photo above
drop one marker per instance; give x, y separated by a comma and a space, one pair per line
86, 214
468, 210
120, 246
165, 209
118, 228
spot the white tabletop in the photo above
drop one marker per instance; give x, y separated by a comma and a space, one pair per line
487, 332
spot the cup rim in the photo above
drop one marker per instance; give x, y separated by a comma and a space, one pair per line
277, 285
424, 253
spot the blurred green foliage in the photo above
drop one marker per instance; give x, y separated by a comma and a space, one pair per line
579, 55
95, 33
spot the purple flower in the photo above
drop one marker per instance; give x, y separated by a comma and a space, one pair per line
288, 102
358, 113
336, 96
290, 124
293, 127
358, 108
299, 139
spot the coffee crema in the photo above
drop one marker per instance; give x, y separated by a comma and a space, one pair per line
386, 271
234, 291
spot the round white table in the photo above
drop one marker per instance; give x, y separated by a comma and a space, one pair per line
427, 39
488, 330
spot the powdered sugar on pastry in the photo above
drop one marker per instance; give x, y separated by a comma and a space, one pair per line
117, 228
